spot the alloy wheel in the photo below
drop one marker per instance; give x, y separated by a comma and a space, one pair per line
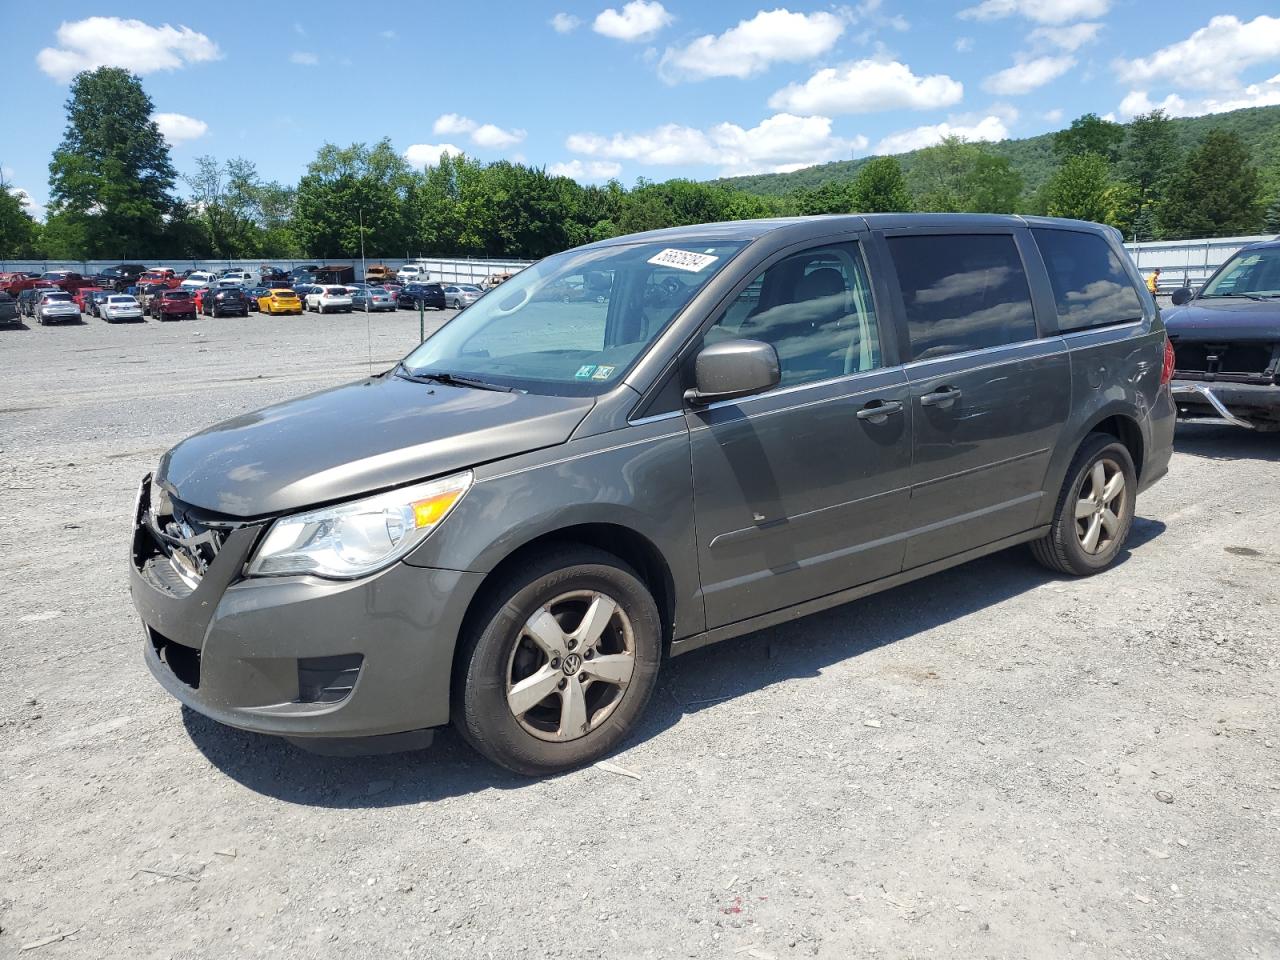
1099, 509
570, 665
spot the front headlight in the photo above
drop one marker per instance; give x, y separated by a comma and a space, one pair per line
355, 539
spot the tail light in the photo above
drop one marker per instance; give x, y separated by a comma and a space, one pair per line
1166, 371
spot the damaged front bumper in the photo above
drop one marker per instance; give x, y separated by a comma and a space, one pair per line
1247, 405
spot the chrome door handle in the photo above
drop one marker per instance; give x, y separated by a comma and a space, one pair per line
941, 397
877, 411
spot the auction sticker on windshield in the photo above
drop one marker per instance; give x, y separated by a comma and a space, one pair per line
682, 260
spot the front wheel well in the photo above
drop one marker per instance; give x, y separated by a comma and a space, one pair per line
633, 548
1126, 430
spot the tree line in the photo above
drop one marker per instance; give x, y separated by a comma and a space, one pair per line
114, 193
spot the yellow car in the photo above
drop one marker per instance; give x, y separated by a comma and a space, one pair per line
280, 301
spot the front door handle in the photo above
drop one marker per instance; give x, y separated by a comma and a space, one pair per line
942, 397
877, 411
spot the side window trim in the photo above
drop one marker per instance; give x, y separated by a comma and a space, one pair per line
890, 354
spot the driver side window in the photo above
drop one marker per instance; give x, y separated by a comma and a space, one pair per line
815, 308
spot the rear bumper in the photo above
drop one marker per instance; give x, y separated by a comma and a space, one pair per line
1239, 404
299, 656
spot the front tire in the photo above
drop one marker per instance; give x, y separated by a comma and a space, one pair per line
1094, 513
560, 664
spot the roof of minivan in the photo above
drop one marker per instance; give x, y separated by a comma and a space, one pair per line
802, 227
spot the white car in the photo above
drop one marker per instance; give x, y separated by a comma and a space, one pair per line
55, 307
239, 278
121, 307
412, 273
198, 280
329, 298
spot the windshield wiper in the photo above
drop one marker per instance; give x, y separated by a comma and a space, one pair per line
1251, 296
453, 380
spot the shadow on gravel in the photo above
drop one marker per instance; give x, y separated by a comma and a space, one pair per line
17, 326
1214, 442
697, 681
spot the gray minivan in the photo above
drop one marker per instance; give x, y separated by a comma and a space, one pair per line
749, 422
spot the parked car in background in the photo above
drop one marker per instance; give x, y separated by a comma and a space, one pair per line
147, 291
235, 275
26, 301
430, 296
25, 281
1226, 342
82, 295
256, 293
224, 301
280, 300
94, 301
269, 275
305, 273
56, 306
173, 305
197, 279
459, 295
67, 280
9, 309
371, 298
119, 306
556, 500
328, 298
413, 273
494, 279
378, 274
122, 276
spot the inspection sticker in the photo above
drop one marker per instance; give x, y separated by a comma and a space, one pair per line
585, 371
603, 373
683, 260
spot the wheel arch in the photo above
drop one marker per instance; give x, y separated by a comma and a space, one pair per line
1118, 420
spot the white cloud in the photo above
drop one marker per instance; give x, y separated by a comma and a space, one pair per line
867, 86
304, 58
1054, 115
1027, 76
1211, 58
114, 42
638, 20
751, 46
780, 143
1066, 38
387, 34
449, 124
494, 137
1041, 11
988, 128
564, 23
179, 128
428, 154
482, 134
592, 171
1264, 94
963, 44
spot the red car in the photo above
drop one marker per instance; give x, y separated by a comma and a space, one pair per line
23, 281
173, 305
159, 275
68, 280
81, 297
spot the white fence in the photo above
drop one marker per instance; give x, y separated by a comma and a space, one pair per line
464, 270
1186, 263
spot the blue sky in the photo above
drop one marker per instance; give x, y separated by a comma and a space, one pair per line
654, 88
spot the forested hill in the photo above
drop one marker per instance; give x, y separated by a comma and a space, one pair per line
1033, 157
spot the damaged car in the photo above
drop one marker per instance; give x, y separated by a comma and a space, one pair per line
1226, 342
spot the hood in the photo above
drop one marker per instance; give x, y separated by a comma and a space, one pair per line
358, 438
1230, 318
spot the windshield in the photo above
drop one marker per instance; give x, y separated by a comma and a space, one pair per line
573, 323
1250, 273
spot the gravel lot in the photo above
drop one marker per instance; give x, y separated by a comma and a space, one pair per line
989, 763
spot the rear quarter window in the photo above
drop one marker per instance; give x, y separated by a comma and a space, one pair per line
1091, 287
962, 292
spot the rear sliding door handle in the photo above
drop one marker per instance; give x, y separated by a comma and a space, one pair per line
942, 397
878, 411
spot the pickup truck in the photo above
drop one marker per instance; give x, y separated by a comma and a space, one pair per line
1226, 342
121, 277
67, 280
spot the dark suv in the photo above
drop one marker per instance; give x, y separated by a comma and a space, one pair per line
519, 521
225, 301
427, 295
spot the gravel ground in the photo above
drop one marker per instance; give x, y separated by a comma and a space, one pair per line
993, 762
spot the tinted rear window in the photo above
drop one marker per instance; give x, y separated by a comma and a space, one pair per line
962, 292
177, 295
1090, 285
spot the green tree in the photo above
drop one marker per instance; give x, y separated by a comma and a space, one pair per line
345, 185
19, 232
226, 201
1149, 154
990, 186
1090, 134
110, 178
833, 197
1214, 192
942, 175
880, 187
1082, 189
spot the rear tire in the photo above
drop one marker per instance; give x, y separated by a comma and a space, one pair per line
1094, 513
558, 592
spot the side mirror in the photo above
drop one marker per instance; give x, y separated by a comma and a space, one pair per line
732, 369
1181, 296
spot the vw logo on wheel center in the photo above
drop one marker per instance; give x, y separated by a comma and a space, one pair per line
571, 664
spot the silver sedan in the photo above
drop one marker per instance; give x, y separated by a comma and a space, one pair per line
459, 295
